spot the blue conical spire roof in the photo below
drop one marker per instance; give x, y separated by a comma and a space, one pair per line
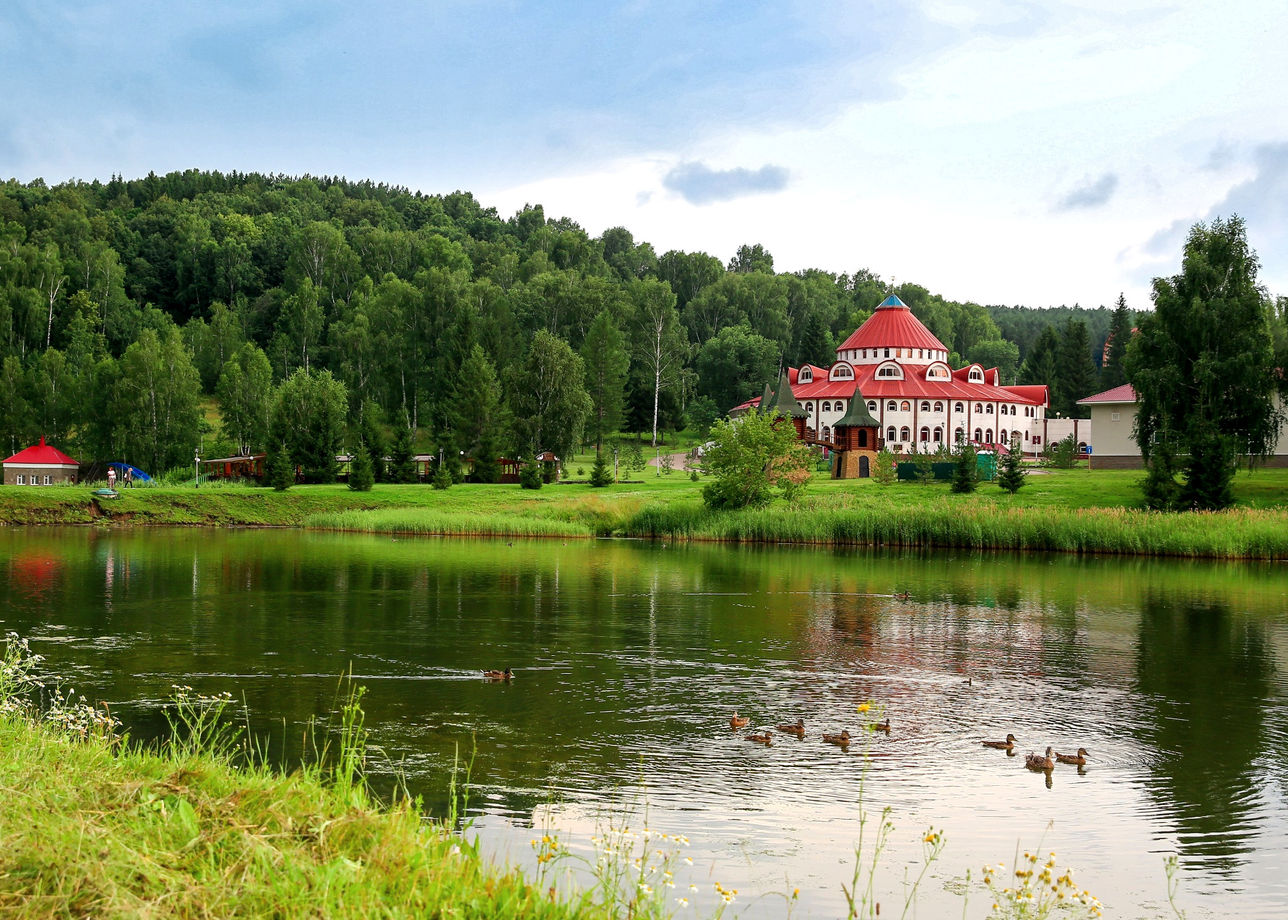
892, 301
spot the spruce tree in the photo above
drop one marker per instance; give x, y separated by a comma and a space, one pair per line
600, 474
443, 476
1113, 374
883, 470
402, 461
278, 470
966, 474
361, 474
530, 473
1012, 476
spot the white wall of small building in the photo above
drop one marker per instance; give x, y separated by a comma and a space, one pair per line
947, 419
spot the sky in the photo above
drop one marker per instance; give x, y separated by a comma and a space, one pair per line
1000, 151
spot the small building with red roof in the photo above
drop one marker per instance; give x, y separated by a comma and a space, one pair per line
900, 369
40, 465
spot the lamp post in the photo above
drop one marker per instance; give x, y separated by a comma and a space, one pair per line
196, 468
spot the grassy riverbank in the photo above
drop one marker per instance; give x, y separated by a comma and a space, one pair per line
97, 827
1067, 510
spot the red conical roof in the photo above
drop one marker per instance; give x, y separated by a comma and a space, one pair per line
44, 454
892, 326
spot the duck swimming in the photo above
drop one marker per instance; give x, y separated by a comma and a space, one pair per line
765, 738
1040, 763
1079, 758
1001, 745
880, 726
843, 739
797, 728
736, 721
507, 674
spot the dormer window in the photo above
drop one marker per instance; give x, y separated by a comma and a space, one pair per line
805, 376
841, 371
890, 371
938, 372
976, 375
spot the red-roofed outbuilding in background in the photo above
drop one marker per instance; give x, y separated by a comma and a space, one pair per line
40, 465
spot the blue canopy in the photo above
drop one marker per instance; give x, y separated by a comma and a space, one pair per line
134, 470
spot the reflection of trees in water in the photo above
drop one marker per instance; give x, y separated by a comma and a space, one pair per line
1204, 678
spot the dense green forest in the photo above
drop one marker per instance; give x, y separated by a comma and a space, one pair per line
321, 313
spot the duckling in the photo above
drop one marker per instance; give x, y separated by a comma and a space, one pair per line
765, 738
797, 728
902, 595
1079, 758
506, 675
880, 726
843, 739
736, 721
1042, 764
1001, 745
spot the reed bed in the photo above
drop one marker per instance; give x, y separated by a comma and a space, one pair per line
428, 521
1239, 534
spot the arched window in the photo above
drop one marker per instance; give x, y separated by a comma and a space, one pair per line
827, 433
805, 376
891, 406
976, 375
839, 405
1001, 435
890, 433
989, 410
939, 407
827, 407
905, 434
979, 434
939, 435
959, 435
863, 437
905, 406
809, 408
925, 406
872, 405
978, 407
988, 436
925, 434
959, 408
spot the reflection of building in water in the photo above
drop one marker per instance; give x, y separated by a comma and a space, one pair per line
35, 574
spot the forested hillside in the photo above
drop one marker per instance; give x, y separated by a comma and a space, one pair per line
352, 308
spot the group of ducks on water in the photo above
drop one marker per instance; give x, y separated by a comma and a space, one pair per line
1041, 763
797, 728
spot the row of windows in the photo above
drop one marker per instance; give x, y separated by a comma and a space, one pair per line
982, 435
924, 353
827, 406
33, 480
985, 409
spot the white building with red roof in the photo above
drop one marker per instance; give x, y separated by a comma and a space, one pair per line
920, 402
40, 465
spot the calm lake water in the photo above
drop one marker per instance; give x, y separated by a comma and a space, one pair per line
630, 658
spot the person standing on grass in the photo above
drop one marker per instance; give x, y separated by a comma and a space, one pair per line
111, 477
129, 476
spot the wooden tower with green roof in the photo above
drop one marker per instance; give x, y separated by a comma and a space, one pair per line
858, 439
782, 404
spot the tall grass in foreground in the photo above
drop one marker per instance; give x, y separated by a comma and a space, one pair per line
428, 521
1238, 534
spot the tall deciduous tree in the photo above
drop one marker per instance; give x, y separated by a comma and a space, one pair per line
245, 392
606, 360
1202, 364
734, 364
156, 401
753, 459
658, 346
308, 420
548, 396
